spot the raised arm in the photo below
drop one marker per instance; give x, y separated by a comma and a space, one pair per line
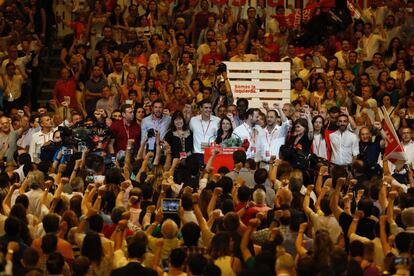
299, 240
199, 216
318, 185
352, 228
334, 202
211, 159
168, 157
6, 202
144, 164
253, 224
386, 248
306, 200
213, 201
157, 149
158, 219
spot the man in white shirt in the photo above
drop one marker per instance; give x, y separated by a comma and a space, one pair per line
241, 56
20, 62
344, 143
273, 136
204, 127
408, 144
342, 55
41, 138
249, 131
399, 172
370, 43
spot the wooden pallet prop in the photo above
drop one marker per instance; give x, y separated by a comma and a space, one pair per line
260, 82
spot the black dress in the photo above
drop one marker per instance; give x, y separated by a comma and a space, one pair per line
303, 145
179, 144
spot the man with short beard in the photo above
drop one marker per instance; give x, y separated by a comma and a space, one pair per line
249, 131
370, 43
156, 121
8, 139
344, 143
124, 130
117, 77
273, 136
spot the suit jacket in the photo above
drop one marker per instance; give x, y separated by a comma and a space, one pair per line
133, 268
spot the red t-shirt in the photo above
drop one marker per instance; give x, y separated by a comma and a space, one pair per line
121, 133
66, 88
108, 229
79, 28
274, 56
208, 58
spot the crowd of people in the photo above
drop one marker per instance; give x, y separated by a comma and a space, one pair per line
111, 176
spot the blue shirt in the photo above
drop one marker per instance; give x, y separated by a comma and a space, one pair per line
162, 125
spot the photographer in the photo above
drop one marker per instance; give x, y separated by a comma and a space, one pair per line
222, 95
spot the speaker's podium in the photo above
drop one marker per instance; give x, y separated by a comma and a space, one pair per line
223, 159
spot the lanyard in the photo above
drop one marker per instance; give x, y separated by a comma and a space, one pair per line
208, 126
44, 137
156, 123
182, 143
252, 133
317, 147
269, 142
126, 131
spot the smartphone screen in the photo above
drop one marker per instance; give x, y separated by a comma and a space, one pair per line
170, 205
99, 178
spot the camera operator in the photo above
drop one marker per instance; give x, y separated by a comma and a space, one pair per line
123, 130
156, 121
50, 150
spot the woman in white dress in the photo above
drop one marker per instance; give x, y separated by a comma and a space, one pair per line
319, 146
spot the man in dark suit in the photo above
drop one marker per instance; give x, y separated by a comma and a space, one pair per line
136, 252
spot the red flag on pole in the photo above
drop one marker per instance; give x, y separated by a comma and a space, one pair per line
394, 151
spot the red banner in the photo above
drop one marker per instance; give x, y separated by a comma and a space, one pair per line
223, 159
393, 151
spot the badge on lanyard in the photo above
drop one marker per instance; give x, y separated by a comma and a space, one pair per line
204, 145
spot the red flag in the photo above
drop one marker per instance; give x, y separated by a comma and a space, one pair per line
394, 151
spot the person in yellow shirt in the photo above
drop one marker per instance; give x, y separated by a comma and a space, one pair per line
299, 90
